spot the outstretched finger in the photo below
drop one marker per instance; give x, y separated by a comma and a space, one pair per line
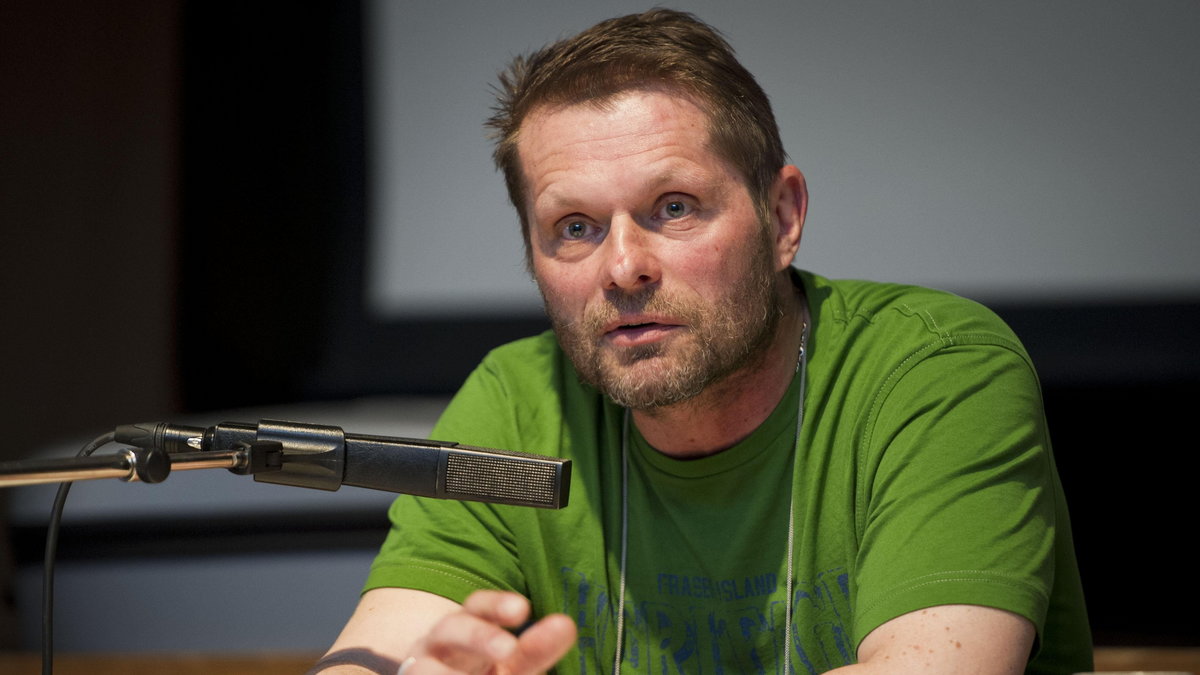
500, 607
542, 645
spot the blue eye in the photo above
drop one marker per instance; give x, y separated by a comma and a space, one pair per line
576, 230
675, 209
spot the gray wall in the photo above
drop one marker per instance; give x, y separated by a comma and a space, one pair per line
1021, 150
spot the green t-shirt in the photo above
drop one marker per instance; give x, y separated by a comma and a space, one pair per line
923, 477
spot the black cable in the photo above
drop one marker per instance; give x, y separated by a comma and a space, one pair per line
48, 563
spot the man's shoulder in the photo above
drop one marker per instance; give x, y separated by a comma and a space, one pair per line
531, 367
528, 355
516, 388
903, 310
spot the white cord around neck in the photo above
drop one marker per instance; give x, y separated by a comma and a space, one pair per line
624, 539
801, 368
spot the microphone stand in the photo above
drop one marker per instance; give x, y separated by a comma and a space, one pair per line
146, 465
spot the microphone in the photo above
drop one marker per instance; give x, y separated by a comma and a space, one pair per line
325, 458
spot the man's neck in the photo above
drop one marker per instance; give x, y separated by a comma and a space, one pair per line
728, 411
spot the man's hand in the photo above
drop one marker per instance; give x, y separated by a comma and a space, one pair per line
474, 639
433, 635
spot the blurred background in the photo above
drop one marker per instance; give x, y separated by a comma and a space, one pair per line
217, 210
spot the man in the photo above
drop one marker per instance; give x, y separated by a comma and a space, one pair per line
773, 472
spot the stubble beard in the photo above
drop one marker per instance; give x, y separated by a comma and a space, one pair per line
718, 338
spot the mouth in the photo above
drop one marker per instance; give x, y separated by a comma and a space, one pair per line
636, 332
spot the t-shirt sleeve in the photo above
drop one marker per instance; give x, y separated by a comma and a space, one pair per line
957, 504
452, 548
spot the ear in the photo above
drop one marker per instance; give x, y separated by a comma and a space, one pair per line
789, 205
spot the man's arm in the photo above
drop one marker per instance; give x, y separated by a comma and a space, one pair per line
394, 624
382, 629
949, 640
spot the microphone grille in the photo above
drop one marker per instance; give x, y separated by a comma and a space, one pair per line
508, 478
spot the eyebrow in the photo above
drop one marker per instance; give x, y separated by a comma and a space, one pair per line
554, 201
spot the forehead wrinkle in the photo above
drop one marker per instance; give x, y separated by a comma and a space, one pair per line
572, 160
612, 127
612, 148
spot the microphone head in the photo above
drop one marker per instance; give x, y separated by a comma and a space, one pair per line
504, 477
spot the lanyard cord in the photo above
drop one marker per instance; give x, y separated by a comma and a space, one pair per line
624, 539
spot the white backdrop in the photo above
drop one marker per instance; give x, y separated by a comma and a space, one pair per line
1005, 150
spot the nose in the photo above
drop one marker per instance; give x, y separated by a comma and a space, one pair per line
630, 262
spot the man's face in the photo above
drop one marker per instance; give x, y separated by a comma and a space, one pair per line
657, 275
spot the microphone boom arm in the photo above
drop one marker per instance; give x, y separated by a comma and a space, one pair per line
315, 456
